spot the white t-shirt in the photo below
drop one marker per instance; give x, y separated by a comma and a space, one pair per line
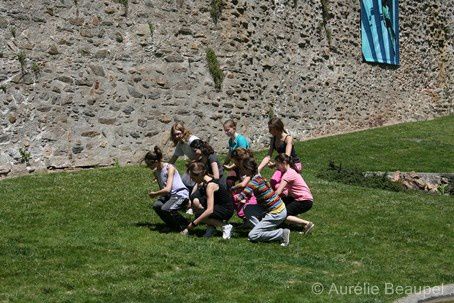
183, 148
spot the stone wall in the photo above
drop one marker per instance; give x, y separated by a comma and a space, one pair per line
100, 87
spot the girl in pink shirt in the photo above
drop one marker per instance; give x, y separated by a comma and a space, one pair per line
298, 198
237, 182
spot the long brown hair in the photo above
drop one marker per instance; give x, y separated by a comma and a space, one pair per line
277, 124
179, 126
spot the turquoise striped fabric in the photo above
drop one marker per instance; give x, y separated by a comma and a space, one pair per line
380, 31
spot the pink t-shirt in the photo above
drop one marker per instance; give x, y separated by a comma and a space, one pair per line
297, 187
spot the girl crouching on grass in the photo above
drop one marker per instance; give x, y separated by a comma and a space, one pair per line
173, 195
211, 202
270, 211
299, 198
236, 182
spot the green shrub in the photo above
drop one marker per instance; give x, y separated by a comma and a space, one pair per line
21, 57
270, 112
215, 70
151, 26
125, 3
354, 176
118, 37
3, 88
447, 189
25, 156
215, 11
13, 31
36, 69
326, 11
326, 15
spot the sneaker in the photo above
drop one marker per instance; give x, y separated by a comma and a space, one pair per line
227, 231
211, 230
308, 228
285, 237
190, 211
184, 232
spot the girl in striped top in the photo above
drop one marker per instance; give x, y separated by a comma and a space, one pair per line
270, 211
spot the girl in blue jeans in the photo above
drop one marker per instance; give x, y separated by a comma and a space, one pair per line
270, 211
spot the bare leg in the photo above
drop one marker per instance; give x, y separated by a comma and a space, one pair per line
296, 220
196, 205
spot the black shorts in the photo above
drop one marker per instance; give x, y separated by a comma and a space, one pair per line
294, 208
220, 212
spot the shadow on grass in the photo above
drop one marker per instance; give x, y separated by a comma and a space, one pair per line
159, 227
238, 229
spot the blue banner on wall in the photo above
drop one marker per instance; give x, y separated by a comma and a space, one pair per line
380, 31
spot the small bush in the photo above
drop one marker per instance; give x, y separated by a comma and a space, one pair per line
118, 37
326, 15
353, 176
36, 69
270, 112
326, 11
125, 4
151, 26
13, 31
3, 88
215, 70
215, 11
21, 57
447, 189
25, 156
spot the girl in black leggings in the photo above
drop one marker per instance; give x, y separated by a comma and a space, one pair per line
211, 202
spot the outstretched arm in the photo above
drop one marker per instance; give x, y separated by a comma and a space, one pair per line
215, 170
168, 187
242, 184
267, 158
211, 188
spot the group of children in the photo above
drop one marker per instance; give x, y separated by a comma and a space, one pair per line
213, 192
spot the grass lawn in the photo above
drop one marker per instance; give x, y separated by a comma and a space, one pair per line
91, 236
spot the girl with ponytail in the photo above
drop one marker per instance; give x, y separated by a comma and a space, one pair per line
172, 194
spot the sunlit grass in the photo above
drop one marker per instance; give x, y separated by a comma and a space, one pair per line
91, 235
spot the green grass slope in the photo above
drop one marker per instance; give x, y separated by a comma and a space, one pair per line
91, 236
